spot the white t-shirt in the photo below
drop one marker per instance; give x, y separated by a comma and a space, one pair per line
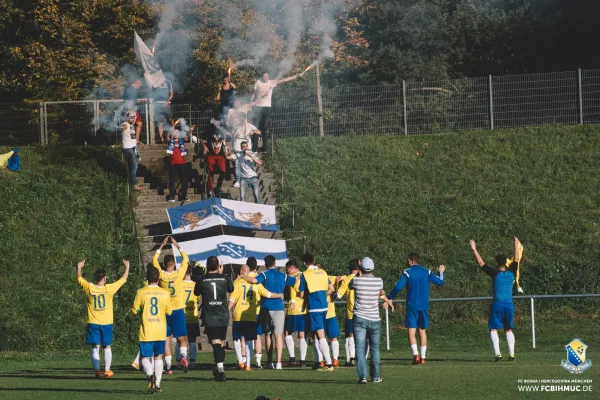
233, 114
246, 164
263, 92
242, 133
128, 136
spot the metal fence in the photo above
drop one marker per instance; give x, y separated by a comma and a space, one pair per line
494, 102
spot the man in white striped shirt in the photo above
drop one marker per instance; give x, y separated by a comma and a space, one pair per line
368, 289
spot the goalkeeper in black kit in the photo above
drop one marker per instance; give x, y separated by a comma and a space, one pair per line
213, 287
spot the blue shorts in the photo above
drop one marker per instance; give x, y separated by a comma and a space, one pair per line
349, 328
99, 335
317, 320
258, 327
332, 328
417, 319
501, 315
152, 349
295, 323
245, 329
176, 323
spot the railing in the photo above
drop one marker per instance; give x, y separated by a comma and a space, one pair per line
532, 299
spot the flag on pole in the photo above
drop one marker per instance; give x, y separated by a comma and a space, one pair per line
233, 250
213, 212
152, 73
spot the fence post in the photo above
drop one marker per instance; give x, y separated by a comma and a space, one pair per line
320, 102
532, 323
387, 329
45, 124
404, 106
491, 94
41, 123
579, 96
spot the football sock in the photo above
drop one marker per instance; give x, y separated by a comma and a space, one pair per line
289, 343
318, 354
168, 361
137, 359
347, 349
324, 347
193, 350
495, 342
220, 367
237, 346
510, 339
249, 351
147, 366
415, 350
335, 349
423, 351
219, 353
352, 347
107, 358
303, 349
258, 358
96, 358
158, 370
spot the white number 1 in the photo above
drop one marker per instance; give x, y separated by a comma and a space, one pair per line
214, 285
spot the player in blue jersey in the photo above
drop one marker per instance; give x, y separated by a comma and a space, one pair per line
502, 309
417, 280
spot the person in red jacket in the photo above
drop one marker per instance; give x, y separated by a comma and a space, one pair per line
177, 166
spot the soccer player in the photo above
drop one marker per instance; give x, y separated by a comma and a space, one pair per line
332, 326
213, 287
295, 320
417, 279
253, 265
315, 286
191, 314
100, 314
502, 310
172, 280
154, 304
244, 300
344, 290
272, 314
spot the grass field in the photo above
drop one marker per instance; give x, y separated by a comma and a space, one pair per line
459, 367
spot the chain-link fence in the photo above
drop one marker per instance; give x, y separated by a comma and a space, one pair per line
513, 101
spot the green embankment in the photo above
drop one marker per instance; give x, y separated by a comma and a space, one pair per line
65, 205
384, 197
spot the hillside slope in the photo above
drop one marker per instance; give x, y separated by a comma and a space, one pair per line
387, 196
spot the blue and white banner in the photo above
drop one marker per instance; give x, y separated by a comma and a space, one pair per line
233, 250
152, 73
212, 212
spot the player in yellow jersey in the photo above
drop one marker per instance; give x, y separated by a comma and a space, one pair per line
253, 265
332, 326
245, 300
154, 305
100, 314
295, 320
344, 290
172, 280
191, 312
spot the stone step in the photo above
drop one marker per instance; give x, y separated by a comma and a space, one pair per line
152, 196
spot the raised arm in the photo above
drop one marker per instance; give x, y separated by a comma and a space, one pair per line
155, 262
288, 79
126, 273
476, 253
79, 268
433, 278
185, 262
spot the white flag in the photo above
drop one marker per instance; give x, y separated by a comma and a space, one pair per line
152, 73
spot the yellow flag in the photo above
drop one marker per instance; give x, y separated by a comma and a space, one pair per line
518, 275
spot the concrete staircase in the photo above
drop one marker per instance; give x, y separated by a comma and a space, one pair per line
150, 205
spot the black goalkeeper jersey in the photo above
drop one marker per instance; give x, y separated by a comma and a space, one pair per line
214, 288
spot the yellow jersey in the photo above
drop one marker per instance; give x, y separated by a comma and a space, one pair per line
299, 308
191, 302
155, 304
246, 297
173, 281
349, 293
331, 304
100, 300
254, 274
